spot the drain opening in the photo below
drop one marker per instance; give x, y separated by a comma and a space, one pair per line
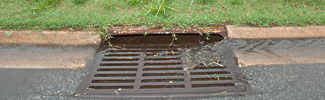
113, 81
119, 64
163, 80
211, 78
111, 87
120, 59
162, 86
121, 54
115, 75
163, 74
209, 73
153, 69
211, 85
119, 69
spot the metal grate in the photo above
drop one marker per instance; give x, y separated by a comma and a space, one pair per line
154, 71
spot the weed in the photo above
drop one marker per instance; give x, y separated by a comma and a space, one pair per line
50, 41
207, 35
158, 7
145, 33
79, 1
217, 76
254, 69
107, 37
208, 76
201, 34
70, 29
221, 92
183, 31
204, 1
42, 88
189, 56
40, 5
41, 33
174, 39
30, 32
109, 4
8, 34
46, 36
54, 33
209, 64
235, 2
136, 2
15, 41
37, 38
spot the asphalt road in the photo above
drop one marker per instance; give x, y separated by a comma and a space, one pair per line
281, 82
278, 82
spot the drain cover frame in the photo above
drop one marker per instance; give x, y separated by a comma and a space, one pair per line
142, 55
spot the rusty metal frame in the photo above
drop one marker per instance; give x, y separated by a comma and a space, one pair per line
120, 32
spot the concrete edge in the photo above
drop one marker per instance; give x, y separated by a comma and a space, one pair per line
73, 38
235, 32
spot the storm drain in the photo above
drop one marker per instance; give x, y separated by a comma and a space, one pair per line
155, 71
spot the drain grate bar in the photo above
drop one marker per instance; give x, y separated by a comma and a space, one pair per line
142, 71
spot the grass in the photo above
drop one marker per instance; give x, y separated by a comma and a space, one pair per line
8, 34
100, 14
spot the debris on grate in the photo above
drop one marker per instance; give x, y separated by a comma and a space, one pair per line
158, 71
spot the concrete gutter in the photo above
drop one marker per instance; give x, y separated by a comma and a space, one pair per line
69, 38
297, 53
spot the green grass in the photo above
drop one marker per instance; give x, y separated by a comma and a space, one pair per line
8, 34
100, 14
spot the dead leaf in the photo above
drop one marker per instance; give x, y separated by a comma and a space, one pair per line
117, 93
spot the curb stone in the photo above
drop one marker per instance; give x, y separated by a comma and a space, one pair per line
234, 32
72, 38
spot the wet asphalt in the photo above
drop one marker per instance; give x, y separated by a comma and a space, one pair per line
278, 82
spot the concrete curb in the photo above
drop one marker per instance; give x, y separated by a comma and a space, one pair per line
73, 38
297, 53
274, 32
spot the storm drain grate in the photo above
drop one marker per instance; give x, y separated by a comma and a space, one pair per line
154, 71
